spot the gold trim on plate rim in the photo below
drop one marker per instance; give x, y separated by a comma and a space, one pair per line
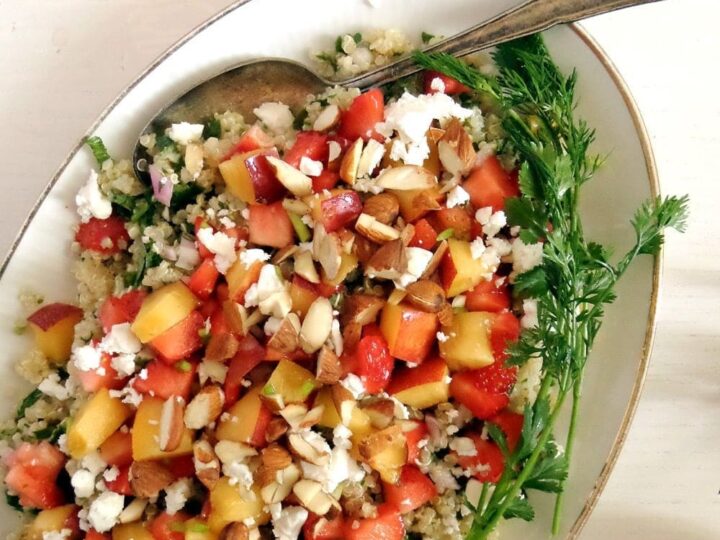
632, 108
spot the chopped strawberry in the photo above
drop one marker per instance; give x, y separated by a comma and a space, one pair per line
325, 180
121, 309
164, 526
387, 525
425, 236
250, 354
270, 225
203, 279
484, 391
511, 425
364, 112
505, 330
181, 466
488, 462
309, 144
489, 296
374, 363
490, 184
340, 210
32, 474
164, 380
180, 341
413, 438
451, 86
106, 236
412, 490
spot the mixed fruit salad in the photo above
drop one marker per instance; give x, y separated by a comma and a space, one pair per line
299, 327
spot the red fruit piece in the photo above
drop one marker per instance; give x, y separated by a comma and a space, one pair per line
374, 363
388, 525
484, 391
270, 225
117, 449
413, 438
321, 528
340, 210
106, 236
511, 425
203, 279
253, 139
104, 376
452, 86
250, 353
181, 340
412, 490
489, 296
32, 474
325, 180
425, 235
490, 184
164, 380
165, 526
309, 144
505, 331
121, 309
488, 463
121, 484
364, 112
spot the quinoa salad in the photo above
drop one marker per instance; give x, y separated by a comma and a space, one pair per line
291, 327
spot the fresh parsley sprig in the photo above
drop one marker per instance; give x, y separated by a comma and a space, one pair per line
577, 277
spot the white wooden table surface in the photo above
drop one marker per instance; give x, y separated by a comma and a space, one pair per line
62, 61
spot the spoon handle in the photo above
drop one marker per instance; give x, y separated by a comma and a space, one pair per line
528, 18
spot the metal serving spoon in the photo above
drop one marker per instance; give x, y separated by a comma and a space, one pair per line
249, 84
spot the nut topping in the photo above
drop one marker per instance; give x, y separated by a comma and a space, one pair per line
406, 177
317, 325
275, 457
205, 407
384, 207
171, 424
221, 346
426, 295
285, 339
455, 149
388, 262
148, 478
375, 231
329, 368
351, 161
236, 530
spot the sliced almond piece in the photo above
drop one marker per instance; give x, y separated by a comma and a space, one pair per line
311, 496
327, 250
455, 149
388, 262
310, 446
381, 412
275, 457
222, 345
148, 478
294, 414
284, 254
370, 158
351, 335
373, 230
327, 119
351, 161
285, 339
229, 451
236, 530
313, 417
317, 325
446, 315
276, 485
361, 309
344, 402
407, 234
406, 177
436, 259
329, 368
305, 267
171, 424
363, 248
235, 315
384, 207
426, 295
277, 427
207, 465
133, 511
296, 182
205, 407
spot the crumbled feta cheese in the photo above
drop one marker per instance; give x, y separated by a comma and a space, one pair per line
500, 245
143, 375
437, 84
62, 534
94, 463
334, 150
457, 196
411, 116
442, 337
276, 116
492, 224
86, 358
272, 325
239, 474
221, 245
530, 315
83, 483
105, 511
111, 474
127, 395
442, 477
463, 446
354, 385
477, 248
482, 216
251, 296
287, 522
310, 167
53, 387
185, 132
273, 298
250, 256
307, 220
91, 202
417, 261
525, 256
370, 158
176, 496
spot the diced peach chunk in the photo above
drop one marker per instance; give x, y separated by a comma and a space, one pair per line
422, 386
54, 328
410, 333
468, 341
162, 310
460, 272
96, 420
246, 420
230, 504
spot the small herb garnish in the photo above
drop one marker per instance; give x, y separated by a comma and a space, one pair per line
27, 402
183, 365
97, 146
301, 229
426, 37
447, 233
212, 128
269, 390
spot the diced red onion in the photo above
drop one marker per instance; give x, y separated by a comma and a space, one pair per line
162, 186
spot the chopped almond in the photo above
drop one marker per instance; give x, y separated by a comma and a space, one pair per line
275, 457
148, 478
236, 530
329, 369
276, 429
375, 231
221, 346
311, 496
207, 465
384, 207
286, 338
327, 250
317, 325
296, 182
327, 119
361, 309
406, 177
455, 149
171, 424
275, 484
205, 407
435, 260
351, 161
388, 262
426, 295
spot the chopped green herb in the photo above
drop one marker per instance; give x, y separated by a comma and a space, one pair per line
307, 387
204, 334
426, 37
162, 142
447, 233
51, 433
302, 230
329, 58
197, 527
357, 37
19, 328
184, 194
183, 365
338, 44
212, 128
177, 526
27, 402
13, 501
98, 149
269, 390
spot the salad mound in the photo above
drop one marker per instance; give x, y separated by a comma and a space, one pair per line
307, 326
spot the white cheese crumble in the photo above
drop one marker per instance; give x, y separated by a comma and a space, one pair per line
176, 496
287, 522
90, 201
271, 295
492, 222
458, 301
354, 385
62, 534
185, 132
417, 261
53, 387
83, 483
530, 315
411, 116
212, 370
250, 256
105, 511
86, 358
221, 245
477, 248
336, 337
457, 196
276, 116
525, 256
463, 446
310, 167
442, 337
